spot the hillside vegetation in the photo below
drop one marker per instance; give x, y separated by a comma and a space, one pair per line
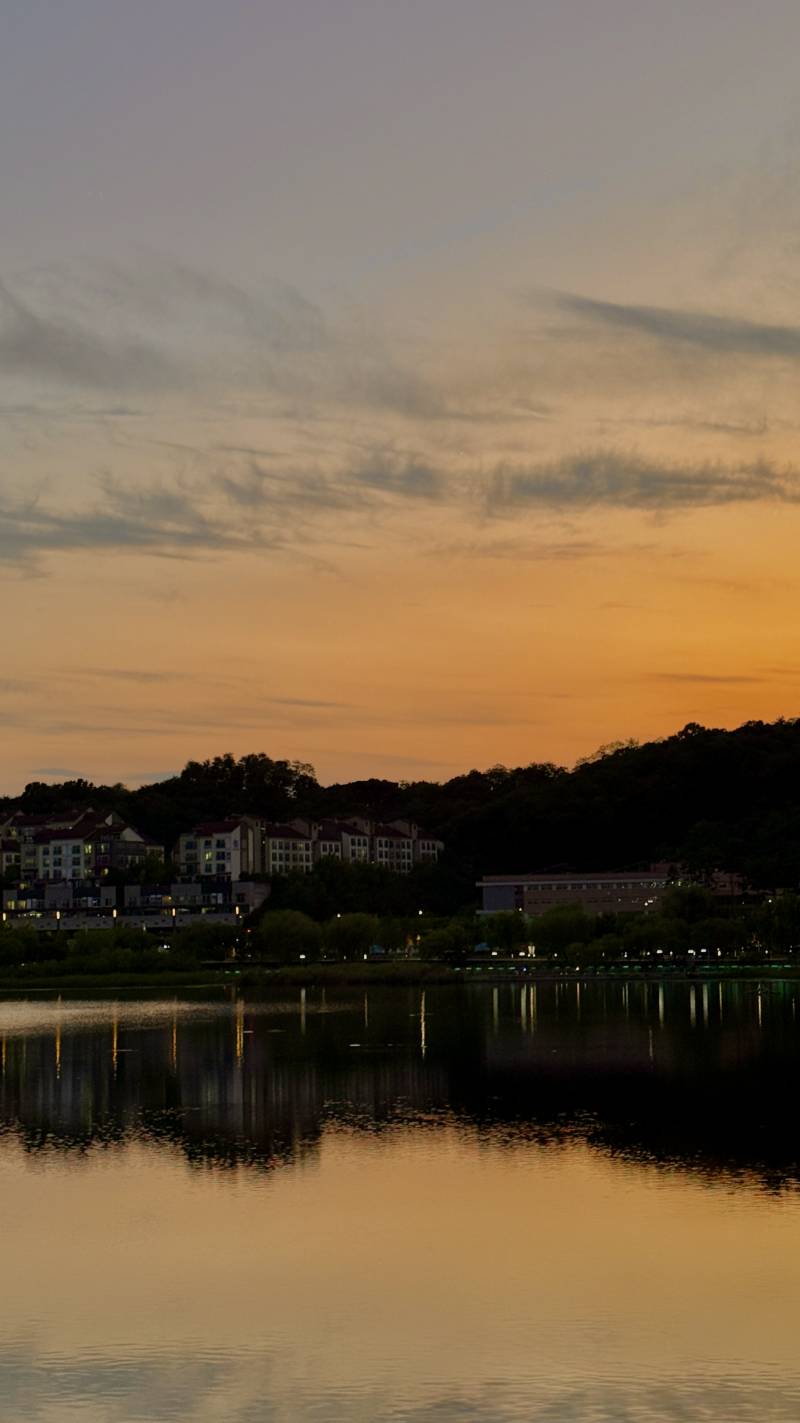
704, 798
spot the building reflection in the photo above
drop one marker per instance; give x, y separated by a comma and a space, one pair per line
698, 1076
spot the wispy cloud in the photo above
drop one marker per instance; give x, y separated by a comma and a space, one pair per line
15, 685
526, 550
407, 478
705, 678
56, 347
355, 485
65, 772
160, 326
722, 335
309, 702
194, 516
158, 520
119, 674
258, 489
607, 478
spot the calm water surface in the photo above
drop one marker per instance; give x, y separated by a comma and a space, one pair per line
550, 1202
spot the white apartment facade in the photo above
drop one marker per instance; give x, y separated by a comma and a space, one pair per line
239, 847
225, 849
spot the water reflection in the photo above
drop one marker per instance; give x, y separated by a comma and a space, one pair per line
563, 1202
693, 1075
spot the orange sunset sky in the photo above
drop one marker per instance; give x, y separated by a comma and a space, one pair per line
395, 387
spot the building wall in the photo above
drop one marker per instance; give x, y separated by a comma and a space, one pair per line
257, 846
288, 852
222, 853
356, 844
394, 852
596, 893
596, 896
68, 858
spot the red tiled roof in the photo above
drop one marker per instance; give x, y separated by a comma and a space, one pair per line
285, 832
217, 827
46, 837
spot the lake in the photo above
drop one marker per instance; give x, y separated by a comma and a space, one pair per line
568, 1202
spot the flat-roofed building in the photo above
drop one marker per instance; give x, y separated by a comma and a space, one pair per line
609, 892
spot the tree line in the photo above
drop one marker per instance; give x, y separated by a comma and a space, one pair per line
704, 798
690, 930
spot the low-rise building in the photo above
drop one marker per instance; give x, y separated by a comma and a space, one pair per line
73, 845
61, 855
426, 848
598, 892
228, 849
610, 892
393, 849
10, 858
287, 850
242, 846
68, 905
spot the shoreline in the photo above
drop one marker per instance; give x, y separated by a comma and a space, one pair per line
402, 974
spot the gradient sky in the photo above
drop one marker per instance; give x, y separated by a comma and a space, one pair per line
396, 386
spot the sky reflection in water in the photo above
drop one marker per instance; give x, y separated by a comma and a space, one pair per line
549, 1202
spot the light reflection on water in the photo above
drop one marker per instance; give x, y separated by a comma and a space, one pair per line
555, 1202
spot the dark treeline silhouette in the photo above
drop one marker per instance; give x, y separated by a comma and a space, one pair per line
703, 798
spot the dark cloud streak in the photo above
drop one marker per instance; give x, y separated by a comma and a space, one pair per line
722, 335
619, 481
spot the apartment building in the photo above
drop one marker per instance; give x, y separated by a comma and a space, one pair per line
356, 842
287, 850
78, 845
10, 857
397, 846
230, 849
116, 845
392, 849
61, 855
337, 839
23, 829
426, 849
243, 846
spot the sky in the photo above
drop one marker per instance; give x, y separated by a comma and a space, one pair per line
397, 387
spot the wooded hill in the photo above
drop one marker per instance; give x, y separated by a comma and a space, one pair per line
704, 798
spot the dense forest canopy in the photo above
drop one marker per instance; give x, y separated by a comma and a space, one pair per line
704, 798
